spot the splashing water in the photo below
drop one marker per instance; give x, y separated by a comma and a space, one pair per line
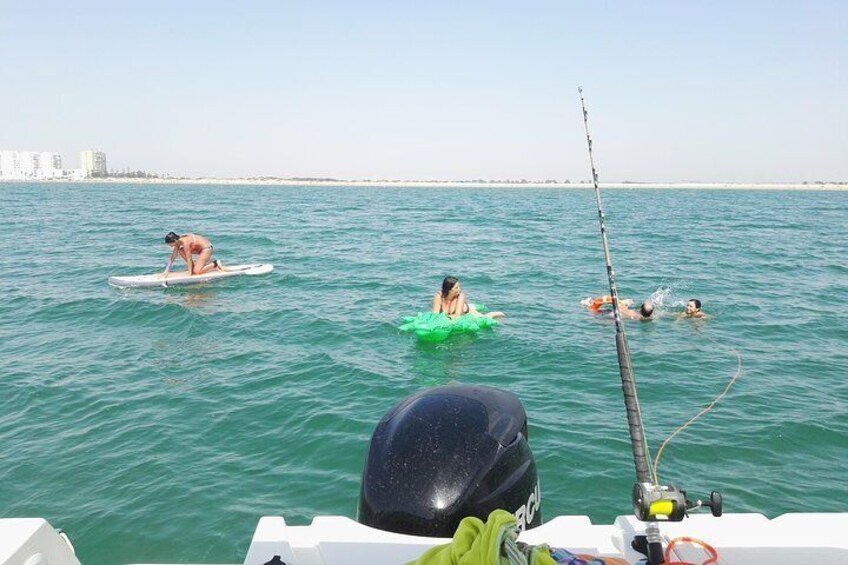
663, 297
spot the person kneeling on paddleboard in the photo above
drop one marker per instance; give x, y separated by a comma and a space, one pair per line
188, 245
453, 302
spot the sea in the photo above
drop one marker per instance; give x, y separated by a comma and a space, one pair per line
159, 425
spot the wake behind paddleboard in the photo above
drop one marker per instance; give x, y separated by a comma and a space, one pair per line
180, 278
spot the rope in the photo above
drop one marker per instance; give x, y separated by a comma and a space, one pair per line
699, 414
713, 554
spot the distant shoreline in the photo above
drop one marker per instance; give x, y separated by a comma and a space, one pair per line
445, 184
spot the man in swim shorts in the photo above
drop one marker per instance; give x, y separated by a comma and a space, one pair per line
598, 305
189, 245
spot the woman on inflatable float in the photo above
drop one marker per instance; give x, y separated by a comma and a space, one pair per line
453, 302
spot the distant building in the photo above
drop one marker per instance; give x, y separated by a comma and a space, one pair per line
55, 160
93, 163
46, 165
22, 165
30, 164
10, 164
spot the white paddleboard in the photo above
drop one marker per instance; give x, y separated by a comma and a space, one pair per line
173, 279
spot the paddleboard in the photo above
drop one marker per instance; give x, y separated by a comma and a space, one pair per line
173, 279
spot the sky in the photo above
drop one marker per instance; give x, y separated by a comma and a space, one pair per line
753, 91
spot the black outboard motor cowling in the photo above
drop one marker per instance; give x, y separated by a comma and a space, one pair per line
446, 453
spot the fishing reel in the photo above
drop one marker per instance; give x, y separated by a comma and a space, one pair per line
652, 503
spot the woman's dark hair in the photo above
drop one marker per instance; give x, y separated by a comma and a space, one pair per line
646, 310
448, 284
171, 237
697, 302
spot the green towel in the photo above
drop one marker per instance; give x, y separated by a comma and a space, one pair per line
492, 543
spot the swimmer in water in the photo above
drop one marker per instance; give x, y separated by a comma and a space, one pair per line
453, 302
597, 305
187, 246
693, 310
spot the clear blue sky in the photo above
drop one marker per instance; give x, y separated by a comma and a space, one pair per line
706, 91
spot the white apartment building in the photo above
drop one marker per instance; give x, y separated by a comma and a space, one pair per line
93, 163
10, 164
22, 165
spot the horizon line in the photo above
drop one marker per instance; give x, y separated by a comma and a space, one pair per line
327, 181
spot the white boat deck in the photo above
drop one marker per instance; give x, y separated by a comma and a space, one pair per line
32, 541
740, 539
749, 539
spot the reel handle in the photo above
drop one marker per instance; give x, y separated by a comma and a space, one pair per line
715, 504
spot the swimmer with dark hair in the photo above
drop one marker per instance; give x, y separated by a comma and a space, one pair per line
453, 302
646, 310
693, 309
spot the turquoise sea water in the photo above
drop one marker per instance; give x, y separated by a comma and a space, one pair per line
159, 425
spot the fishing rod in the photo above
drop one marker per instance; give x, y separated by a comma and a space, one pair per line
641, 453
652, 502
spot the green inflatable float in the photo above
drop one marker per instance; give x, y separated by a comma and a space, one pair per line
438, 327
